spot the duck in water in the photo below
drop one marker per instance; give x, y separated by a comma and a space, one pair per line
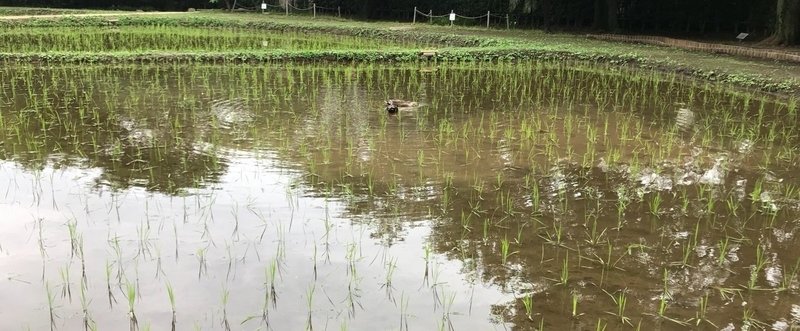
391, 108
395, 105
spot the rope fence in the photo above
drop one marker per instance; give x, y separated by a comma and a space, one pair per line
488, 20
452, 16
289, 8
301, 9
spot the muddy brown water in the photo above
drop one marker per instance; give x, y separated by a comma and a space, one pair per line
227, 182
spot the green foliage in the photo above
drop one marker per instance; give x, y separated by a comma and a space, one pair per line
385, 44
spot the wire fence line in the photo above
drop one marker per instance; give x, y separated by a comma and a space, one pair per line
489, 19
473, 17
289, 8
302, 9
452, 16
431, 15
273, 6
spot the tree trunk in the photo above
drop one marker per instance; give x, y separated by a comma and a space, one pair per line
787, 22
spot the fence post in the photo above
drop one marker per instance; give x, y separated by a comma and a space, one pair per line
488, 15
415, 16
430, 16
339, 10
314, 9
507, 23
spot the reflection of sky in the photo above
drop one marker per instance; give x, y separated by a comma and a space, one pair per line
153, 227
345, 122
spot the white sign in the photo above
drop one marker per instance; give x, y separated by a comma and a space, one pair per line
263, 6
741, 36
452, 16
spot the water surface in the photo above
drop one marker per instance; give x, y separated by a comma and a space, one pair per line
286, 198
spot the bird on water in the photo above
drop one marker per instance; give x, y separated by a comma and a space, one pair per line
395, 105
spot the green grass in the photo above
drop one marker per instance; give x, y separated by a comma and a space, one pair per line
361, 41
537, 176
183, 39
515, 146
27, 11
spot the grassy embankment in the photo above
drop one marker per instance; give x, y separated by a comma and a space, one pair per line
33, 11
381, 42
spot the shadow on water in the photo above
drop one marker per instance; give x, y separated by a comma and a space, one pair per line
517, 196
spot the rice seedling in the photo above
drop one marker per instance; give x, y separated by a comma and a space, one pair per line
66, 285
130, 294
555, 238
51, 306
723, 247
622, 205
702, 310
73, 236
621, 302
88, 321
575, 302
310, 304
665, 296
755, 269
133, 39
655, 205
40, 240
171, 296
226, 325
447, 304
527, 303
403, 312
749, 320
564, 277
595, 237
486, 230
201, 259
789, 279
504, 250
110, 294
601, 325
535, 197
608, 262
506, 166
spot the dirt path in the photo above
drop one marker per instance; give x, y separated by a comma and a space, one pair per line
761, 52
23, 17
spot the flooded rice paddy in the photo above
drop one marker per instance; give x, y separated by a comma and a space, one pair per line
514, 197
170, 38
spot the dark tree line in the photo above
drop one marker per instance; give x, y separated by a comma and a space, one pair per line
777, 19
